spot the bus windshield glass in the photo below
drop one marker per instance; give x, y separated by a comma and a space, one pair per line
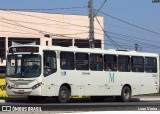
23, 65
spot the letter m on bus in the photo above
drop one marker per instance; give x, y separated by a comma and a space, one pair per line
111, 77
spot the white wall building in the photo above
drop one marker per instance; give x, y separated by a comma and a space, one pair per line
27, 27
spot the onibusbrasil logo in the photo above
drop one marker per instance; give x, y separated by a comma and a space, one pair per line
20, 109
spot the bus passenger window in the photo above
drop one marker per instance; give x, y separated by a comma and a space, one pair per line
82, 62
110, 62
67, 61
150, 65
124, 63
137, 64
96, 62
50, 63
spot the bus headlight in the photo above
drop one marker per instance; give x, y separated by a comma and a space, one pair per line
37, 85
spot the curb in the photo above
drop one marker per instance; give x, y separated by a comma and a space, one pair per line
148, 98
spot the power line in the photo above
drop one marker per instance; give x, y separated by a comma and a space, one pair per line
34, 23
142, 28
141, 46
48, 25
139, 39
112, 41
43, 9
128, 36
17, 24
40, 31
100, 8
48, 13
83, 26
139, 42
19, 33
47, 19
13, 28
129, 29
142, 41
91, 27
129, 39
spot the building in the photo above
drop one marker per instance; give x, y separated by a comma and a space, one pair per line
17, 27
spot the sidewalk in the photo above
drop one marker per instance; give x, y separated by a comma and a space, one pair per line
147, 98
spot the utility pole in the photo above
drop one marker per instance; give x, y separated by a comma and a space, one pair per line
91, 27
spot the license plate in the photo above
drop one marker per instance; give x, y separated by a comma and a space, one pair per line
20, 91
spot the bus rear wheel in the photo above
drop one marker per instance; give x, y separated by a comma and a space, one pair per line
125, 95
64, 95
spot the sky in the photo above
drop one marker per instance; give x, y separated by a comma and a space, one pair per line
131, 21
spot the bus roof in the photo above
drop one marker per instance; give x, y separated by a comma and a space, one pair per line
93, 50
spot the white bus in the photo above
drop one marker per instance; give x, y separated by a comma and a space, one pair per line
62, 72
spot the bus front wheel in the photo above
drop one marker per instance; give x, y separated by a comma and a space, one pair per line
64, 95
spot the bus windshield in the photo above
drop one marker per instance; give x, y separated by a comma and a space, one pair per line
23, 65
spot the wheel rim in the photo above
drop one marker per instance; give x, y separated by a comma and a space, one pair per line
63, 94
127, 94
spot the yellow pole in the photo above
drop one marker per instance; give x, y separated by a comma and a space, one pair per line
3, 87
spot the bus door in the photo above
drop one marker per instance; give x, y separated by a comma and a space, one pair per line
82, 67
49, 73
97, 75
149, 81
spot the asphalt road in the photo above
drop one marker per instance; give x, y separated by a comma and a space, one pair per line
80, 105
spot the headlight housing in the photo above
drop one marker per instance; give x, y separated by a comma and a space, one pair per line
37, 85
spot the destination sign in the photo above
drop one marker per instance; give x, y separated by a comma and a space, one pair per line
23, 49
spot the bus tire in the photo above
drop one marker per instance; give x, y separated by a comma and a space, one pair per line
64, 95
125, 95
